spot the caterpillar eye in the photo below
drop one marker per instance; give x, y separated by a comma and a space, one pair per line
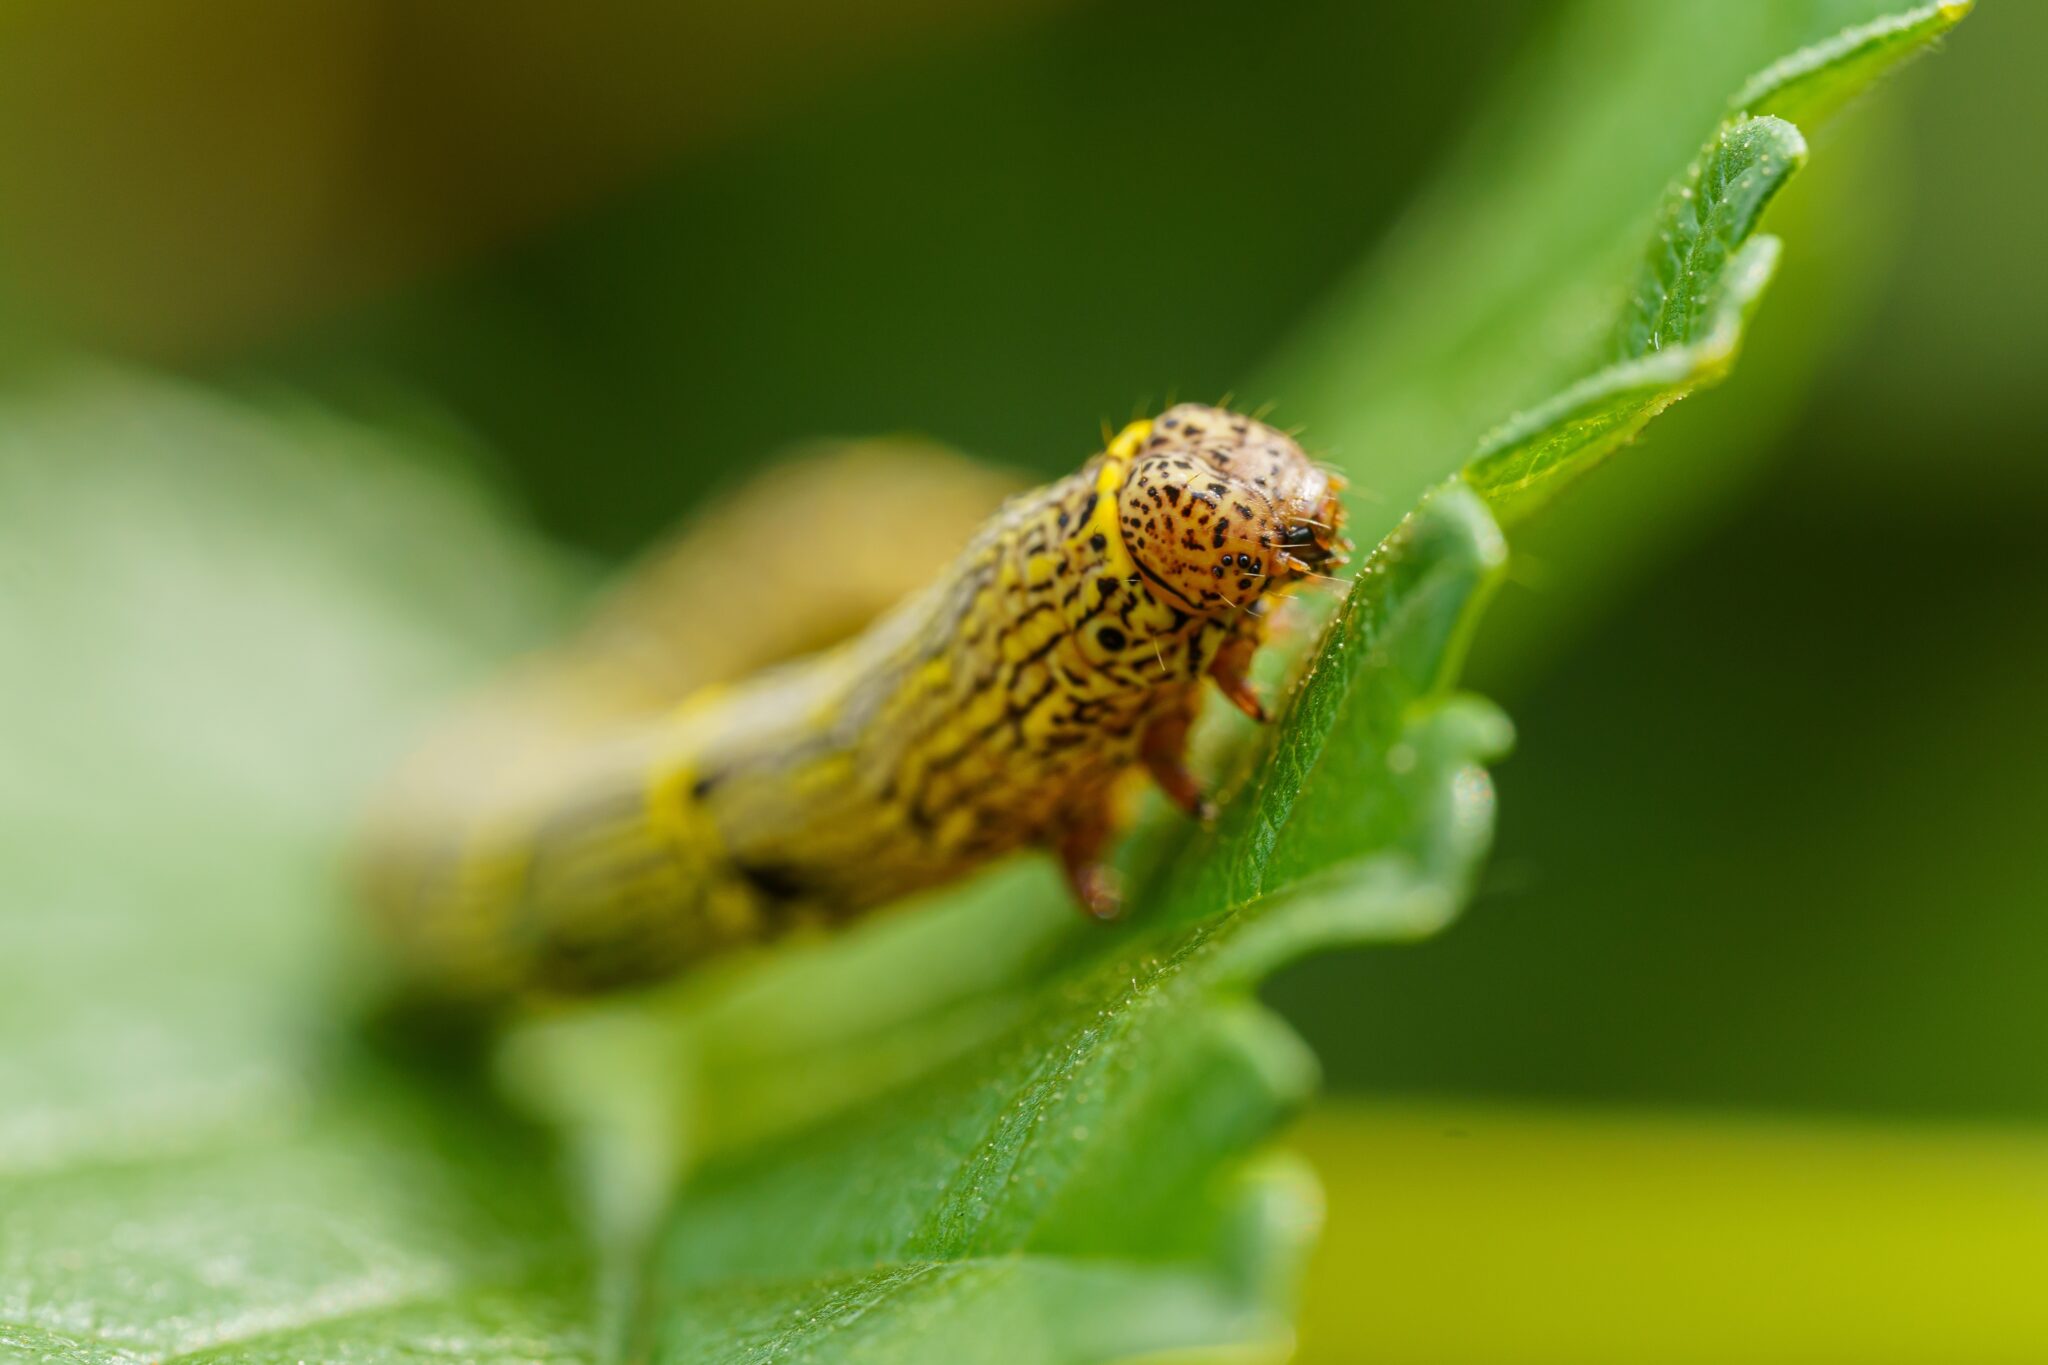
1301, 542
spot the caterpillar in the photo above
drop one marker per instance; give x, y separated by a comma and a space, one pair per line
995, 709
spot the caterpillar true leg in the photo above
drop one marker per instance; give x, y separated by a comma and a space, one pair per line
1081, 846
1231, 669
1164, 750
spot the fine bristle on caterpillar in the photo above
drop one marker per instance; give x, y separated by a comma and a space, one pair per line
995, 709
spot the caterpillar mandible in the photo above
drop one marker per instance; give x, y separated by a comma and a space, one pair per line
992, 711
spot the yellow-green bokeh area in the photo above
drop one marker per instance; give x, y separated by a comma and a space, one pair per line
1538, 1236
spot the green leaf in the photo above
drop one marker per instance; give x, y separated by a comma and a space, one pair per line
1705, 271
1681, 328
1815, 81
216, 626
1330, 799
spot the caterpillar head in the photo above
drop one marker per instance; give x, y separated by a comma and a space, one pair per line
1219, 509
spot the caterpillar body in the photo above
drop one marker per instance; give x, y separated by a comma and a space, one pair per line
996, 709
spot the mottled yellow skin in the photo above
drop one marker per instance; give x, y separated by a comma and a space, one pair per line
995, 710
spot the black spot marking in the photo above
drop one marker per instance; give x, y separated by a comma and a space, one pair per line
1098, 542
776, 881
1039, 653
1110, 638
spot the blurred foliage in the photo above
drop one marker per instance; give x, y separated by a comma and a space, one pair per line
218, 626
1002, 250
986, 246
183, 180
1566, 1237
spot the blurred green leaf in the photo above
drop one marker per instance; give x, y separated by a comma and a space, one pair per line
1518, 1235
215, 626
1022, 1138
